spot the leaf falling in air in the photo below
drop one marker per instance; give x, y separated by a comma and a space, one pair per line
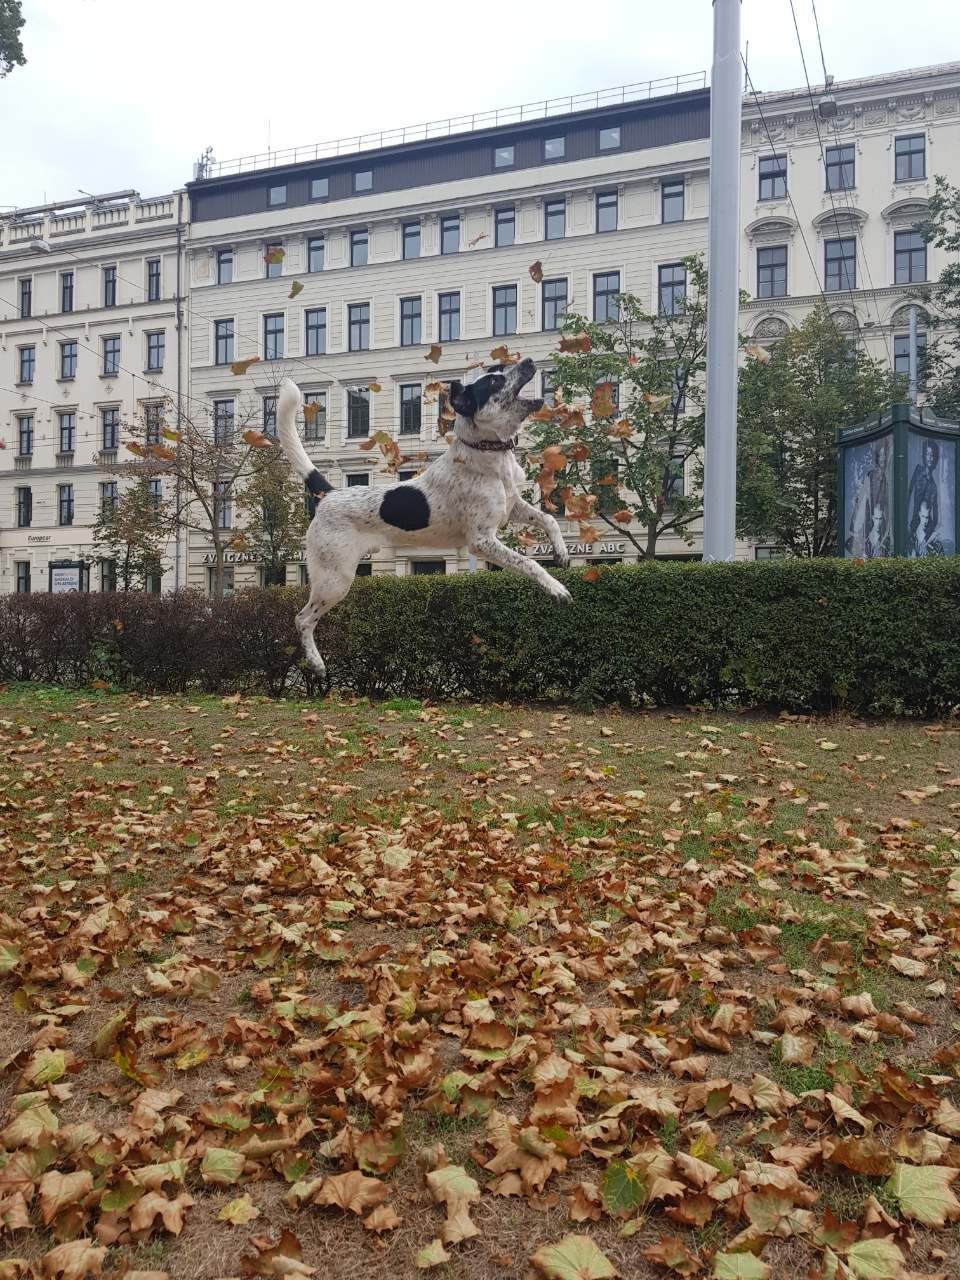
295, 288
162, 452
476, 239
576, 343
434, 353
257, 440
241, 366
503, 355
310, 410
536, 271
758, 353
274, 255
601, 402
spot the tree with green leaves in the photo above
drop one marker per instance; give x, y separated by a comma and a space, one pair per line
134, 532
629, 457
271, 500
790, 404
942, 357
11, 46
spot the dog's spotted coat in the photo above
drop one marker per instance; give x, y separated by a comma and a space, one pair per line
462, 498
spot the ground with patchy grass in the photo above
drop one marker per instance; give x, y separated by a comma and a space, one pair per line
372, 989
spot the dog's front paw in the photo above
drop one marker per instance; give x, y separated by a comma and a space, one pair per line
562, 595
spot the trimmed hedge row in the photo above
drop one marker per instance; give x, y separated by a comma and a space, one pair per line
881, 638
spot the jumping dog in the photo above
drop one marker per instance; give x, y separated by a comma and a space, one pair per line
461, 499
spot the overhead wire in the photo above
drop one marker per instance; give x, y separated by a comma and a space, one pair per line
796, 214
871, 293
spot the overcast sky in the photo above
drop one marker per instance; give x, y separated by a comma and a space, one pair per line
125, 93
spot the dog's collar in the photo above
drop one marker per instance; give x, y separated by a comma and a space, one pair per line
490, 446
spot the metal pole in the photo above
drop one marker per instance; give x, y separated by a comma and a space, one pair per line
912, 392
720, 445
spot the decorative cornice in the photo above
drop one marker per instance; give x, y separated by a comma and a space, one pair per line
771, 227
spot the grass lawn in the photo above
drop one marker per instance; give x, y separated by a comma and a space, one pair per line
344, 983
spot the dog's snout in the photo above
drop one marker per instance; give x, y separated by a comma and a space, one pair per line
521, 374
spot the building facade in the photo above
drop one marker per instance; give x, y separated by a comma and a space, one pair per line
396, 254
374, 271
830, 197
89, 301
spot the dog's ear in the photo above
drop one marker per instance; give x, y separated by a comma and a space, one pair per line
462, 399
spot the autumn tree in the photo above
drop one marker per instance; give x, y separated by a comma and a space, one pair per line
133, 531
202, 459
942, 356
271, 500
11, 46
791, 403
627, 425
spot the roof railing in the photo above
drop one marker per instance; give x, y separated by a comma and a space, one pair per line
208, 167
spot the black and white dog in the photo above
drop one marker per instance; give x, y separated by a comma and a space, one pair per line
460, 499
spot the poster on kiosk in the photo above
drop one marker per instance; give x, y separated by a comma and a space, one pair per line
898, 483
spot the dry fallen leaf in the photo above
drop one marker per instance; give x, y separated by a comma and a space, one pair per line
239, 1211
434, 354
573, 1258
241, 366
536, 271
257, 440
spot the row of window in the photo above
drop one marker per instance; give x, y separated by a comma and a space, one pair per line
155, 348
606, 206
606, 285
910, 165
840, 264
23, 577
504, 157
66, 430
108, 280
65, 502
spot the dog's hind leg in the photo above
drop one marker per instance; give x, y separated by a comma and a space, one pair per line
324, 594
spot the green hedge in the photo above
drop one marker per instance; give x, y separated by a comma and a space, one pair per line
881, 637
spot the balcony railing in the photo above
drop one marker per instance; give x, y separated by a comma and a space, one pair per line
541, 110
94, 217
66, 223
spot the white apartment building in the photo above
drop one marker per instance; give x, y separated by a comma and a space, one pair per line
393, 244
830, 197
392, 250
88, 342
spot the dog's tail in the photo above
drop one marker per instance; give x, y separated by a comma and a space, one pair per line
288, 403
